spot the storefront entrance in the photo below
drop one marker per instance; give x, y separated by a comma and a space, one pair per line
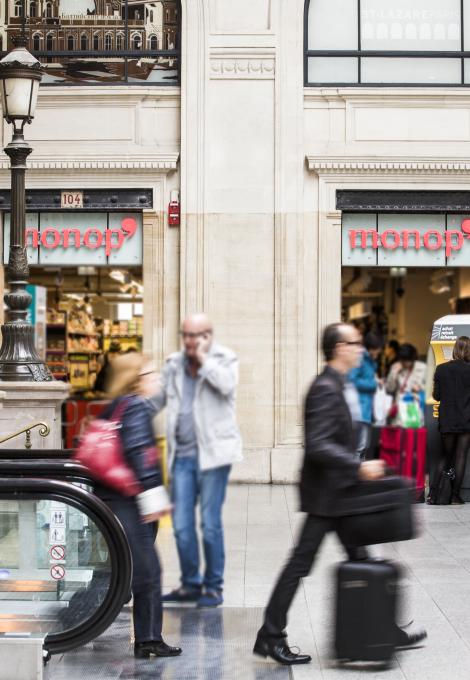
87, 286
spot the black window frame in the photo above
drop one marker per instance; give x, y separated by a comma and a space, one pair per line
124, 55
384, 54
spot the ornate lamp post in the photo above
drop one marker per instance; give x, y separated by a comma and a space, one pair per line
20, 75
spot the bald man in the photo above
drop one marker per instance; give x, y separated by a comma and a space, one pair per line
198, 388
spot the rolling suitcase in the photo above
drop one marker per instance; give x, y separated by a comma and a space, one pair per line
366, 610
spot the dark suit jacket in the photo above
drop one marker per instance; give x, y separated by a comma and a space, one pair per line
330, 462
452, 389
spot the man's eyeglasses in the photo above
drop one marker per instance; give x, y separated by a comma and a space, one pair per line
358, 343
193, 336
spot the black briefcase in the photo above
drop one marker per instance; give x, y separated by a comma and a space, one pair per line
376, 512
366, 609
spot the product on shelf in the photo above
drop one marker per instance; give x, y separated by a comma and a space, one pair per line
55, 317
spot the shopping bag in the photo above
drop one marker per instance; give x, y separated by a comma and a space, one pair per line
409, 411
381, 405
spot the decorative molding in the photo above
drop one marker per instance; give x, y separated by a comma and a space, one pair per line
243, 68
332, 165
166, 162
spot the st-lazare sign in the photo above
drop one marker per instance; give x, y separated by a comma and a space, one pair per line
399, 239
81, 239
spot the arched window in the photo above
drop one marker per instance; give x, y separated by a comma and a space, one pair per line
120, 41
36, 42
96, 41
108, 41
153, 42
32, 9
342, 34
50, 42
18, 8
71, 43
49, 10
83, 42
136, 42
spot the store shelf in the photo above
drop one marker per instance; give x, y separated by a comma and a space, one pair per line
122, 337
56, 325
83, 334
56, 351
84, 351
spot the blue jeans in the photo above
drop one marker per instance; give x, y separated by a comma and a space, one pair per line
189, 484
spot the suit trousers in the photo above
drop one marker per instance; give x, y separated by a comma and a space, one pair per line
299, 566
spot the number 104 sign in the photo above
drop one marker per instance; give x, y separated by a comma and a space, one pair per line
71, 199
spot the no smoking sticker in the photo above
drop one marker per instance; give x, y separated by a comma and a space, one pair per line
57, 572
57, 553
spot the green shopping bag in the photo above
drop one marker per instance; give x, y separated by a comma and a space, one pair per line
409, 411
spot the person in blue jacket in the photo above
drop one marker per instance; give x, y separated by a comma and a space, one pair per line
132, 381
364, 379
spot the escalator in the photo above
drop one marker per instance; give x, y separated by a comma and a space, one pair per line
65, 564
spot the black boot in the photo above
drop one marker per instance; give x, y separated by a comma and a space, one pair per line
143, 650
279, 650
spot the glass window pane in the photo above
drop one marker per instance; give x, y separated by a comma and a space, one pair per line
467, 70
326, 32
55, 568
410, 25
402, 70
100, 26
466, 24
332, 70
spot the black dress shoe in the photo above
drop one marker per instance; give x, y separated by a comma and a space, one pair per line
457, 499
143, 650
279, 650
409, 640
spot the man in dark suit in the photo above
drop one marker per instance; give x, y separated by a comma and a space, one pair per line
330, 465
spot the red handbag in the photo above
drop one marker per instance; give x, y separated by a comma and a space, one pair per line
100, 451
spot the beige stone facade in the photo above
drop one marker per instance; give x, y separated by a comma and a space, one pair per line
257, 158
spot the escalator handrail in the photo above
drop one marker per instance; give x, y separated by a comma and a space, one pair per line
34, 454
120, 556
54, 468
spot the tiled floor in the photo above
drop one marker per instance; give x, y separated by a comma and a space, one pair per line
261, 522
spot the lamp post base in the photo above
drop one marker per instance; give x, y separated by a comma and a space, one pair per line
19, 360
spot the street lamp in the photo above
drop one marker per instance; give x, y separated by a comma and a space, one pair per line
20, 75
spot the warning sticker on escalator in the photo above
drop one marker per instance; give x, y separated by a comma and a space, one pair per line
58, 517
57, 553
57, 572
56, 535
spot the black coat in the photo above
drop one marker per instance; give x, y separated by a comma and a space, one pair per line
452, 390
330, 462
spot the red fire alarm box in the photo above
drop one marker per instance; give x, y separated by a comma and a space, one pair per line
174, 210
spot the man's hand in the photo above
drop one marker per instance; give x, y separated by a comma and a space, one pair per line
203, 345
371, 469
